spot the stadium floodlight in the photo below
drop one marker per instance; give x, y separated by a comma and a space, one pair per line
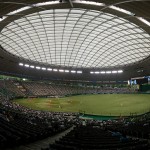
31, 66
26, 65
114, 71
144, 21
38, 67
122, 10
79, 71
49, 69
43, 68
24, 79
66, 70
61, 70
120, 71
20, 64
73, 71
91, 72
102, 72
108, 72
96, 72
55, 70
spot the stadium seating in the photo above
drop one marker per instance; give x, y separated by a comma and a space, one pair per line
20, 125
9, 89
93, 137
139, 128
13, 88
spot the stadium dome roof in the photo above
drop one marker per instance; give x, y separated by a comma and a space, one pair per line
76, 38
77, 34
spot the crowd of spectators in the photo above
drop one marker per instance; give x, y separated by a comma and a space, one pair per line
14, 116
96, 135
25, 125
21, 125
15, 88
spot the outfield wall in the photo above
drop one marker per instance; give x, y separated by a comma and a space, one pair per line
145, 88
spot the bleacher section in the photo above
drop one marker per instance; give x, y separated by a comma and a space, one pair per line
19, 125
9, 89
136, 128
13, 88
88, 137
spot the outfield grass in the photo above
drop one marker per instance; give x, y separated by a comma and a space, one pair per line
102, 104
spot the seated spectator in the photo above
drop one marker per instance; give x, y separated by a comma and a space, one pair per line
117, 134
124, 138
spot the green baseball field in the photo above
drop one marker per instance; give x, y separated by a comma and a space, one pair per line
102, 104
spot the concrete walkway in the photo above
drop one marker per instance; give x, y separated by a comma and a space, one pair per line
42, 143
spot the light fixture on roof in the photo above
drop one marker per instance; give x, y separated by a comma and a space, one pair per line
73, 71
108, 72
37, 67
120, 71
67, 71
79, 71
102, 72
61, 70
31, 66
26, 65
49, 69
43, 68
55, 70
20, 64
114, 71
96, 72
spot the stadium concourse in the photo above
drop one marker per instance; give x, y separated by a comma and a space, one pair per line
61, 48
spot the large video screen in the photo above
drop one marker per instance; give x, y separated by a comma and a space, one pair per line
139, 80
133, 82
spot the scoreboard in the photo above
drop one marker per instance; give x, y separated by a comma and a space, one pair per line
139, 80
